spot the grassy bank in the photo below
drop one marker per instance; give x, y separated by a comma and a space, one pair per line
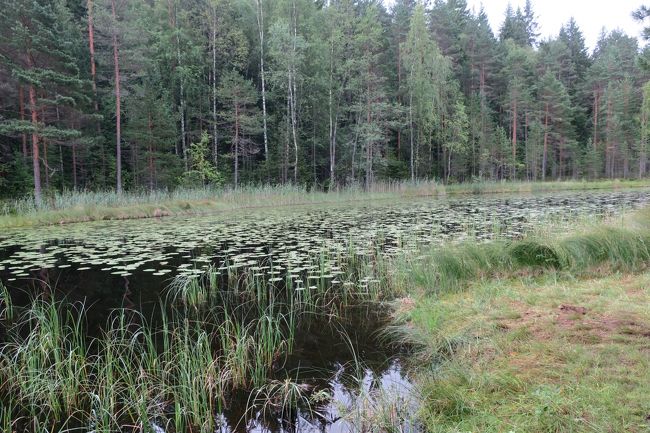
91, 206
544, 334
535, 354
620, 243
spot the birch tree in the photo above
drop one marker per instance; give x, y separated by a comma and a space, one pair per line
427, 71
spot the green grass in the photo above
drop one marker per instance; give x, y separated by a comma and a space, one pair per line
214, 335
622, 244
535, 354
78, 206
544, 334
53, 374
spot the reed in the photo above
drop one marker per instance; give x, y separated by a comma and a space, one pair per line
6, 306
134, 373
76, 206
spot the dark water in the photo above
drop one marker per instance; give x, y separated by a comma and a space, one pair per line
117, 264
348, 369
346, 394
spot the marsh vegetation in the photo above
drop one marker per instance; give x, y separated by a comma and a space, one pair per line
293, 319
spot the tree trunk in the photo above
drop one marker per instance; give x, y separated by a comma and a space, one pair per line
545, 152
74, 166
313, 144
293, 132
260, 26
644, 141
35, 156
236, 145
151, 161
561, 157
626, 139
411, 132
21, 103
354, 151
514, 138
182, 100
93, 74
292, 85
215, 138
596, 105
46, 165
333, 121
118, 107
285, 153
399, 95
91, 46
609, 163
61, 169
526, 155
368, 141
642, 164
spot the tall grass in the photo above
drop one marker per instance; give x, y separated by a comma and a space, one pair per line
622, 244
75, 206
134, 374
6, 306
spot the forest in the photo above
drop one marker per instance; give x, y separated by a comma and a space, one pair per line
332, 216
160, 94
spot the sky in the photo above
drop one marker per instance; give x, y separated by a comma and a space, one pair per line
591, 15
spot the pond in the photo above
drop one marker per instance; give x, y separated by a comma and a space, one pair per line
109, 265
94, 260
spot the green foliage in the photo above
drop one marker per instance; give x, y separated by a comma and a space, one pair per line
427, 72
202, 171
15, 178
353, 91
457, 139
535, 254
241, 116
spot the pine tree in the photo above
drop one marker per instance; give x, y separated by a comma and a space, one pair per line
457, 140
571, 36
151, 135
641, 15
515, 27
556, 116
613, 78
644, 138
401, 14
341, 23
241, 116
532, 27
39, 47
372, 108
449, 22
517, 73
286, 53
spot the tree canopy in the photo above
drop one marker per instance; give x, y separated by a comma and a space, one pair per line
105, 94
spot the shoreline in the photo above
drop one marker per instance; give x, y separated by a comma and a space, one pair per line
230, 200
